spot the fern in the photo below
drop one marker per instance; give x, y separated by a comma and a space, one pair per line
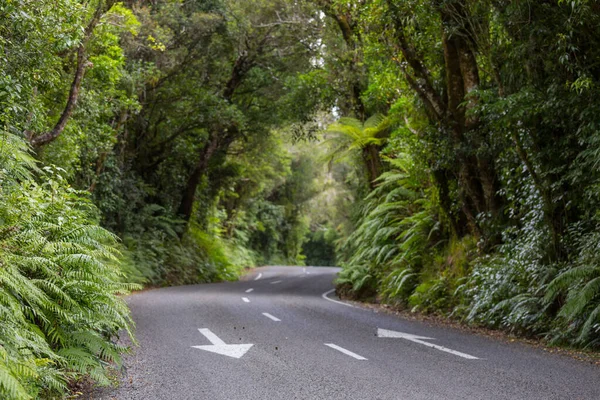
59, 283
394, 230
399, 284
10, 385
580, 284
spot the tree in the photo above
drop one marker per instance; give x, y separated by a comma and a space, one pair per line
82, 63
267, 43
368, 138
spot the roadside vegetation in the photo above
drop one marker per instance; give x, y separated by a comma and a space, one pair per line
445, 153
142, 143
476, 124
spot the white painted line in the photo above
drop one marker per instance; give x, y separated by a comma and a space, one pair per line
249, 290
274, 282
245, 300
346, 352
324, 295
212, 338
271, 317
420, 340
220, 347
304, 270
258, 276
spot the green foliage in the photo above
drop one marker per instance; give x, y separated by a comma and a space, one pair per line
135, 98
60, 283
351, 134
399, 284
320, 247
432, 296
579, 287
495, 222
396, 226
469, 191
357, 281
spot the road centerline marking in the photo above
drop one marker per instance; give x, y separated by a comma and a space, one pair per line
271, 317
249, 290
275, 282
246, 300
345, 351
258, 276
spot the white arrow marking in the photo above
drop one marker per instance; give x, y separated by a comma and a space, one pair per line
274, 282
249, 290
258, 277
346, 352
220, 347
419, 339
271, 317
245, 300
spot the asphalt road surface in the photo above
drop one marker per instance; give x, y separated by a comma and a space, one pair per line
282, 334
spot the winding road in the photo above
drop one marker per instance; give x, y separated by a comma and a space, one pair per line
280, 333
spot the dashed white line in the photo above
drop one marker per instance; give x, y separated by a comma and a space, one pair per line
346, 352
258, 276
271, 317
324, 295
249, 290
274, 282
245, 300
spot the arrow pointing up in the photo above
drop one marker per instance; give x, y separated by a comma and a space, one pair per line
420, 340
220, 347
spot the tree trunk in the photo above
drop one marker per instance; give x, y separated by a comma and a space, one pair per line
372, 160
82, 64
457, 222
189, 194
477, 172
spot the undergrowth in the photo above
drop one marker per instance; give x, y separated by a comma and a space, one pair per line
60, 282
399, 256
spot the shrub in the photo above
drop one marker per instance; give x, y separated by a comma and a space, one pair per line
60, 282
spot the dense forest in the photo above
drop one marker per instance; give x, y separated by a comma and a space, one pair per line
445, 153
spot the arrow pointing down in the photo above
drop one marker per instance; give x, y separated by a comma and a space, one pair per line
420, 339
220, 347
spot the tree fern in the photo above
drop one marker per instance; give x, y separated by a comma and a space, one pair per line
351, 134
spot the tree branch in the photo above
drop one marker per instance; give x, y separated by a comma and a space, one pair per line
421, 82
82, 64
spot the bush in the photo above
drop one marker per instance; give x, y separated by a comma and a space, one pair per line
432, 296
60, 282
577, 288
356, 282
394, 233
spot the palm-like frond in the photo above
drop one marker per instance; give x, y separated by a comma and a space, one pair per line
349, 134
394, 230
59, 283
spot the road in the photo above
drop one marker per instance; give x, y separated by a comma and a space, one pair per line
294, 342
